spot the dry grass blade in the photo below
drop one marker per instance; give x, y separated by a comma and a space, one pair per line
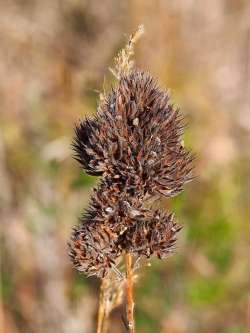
124, 62
111, 292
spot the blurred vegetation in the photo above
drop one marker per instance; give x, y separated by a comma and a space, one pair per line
54, 59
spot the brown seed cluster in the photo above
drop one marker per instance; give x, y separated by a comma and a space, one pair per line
134, 143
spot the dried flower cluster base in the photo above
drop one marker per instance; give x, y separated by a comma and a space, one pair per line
134, 144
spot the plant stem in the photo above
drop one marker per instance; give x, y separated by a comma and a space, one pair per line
130, 302
101, 323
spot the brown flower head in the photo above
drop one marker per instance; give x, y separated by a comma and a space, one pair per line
92, 249
154, 234
135, 139
134, 143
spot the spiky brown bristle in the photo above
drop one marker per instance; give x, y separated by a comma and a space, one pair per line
134, 143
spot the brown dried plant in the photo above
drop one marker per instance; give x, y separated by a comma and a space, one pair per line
134, 143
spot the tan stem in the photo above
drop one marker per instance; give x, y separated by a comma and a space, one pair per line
102, 313
130, 302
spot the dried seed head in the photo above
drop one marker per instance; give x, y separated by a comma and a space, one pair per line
155, 234
112, 207
92, 250
136, 138
134, 142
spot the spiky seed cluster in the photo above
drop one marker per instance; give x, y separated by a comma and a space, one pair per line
134, 143
92, 250
152, 235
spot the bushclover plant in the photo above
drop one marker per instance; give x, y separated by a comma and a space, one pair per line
134, 144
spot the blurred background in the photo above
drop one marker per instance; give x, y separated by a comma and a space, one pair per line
54, 58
